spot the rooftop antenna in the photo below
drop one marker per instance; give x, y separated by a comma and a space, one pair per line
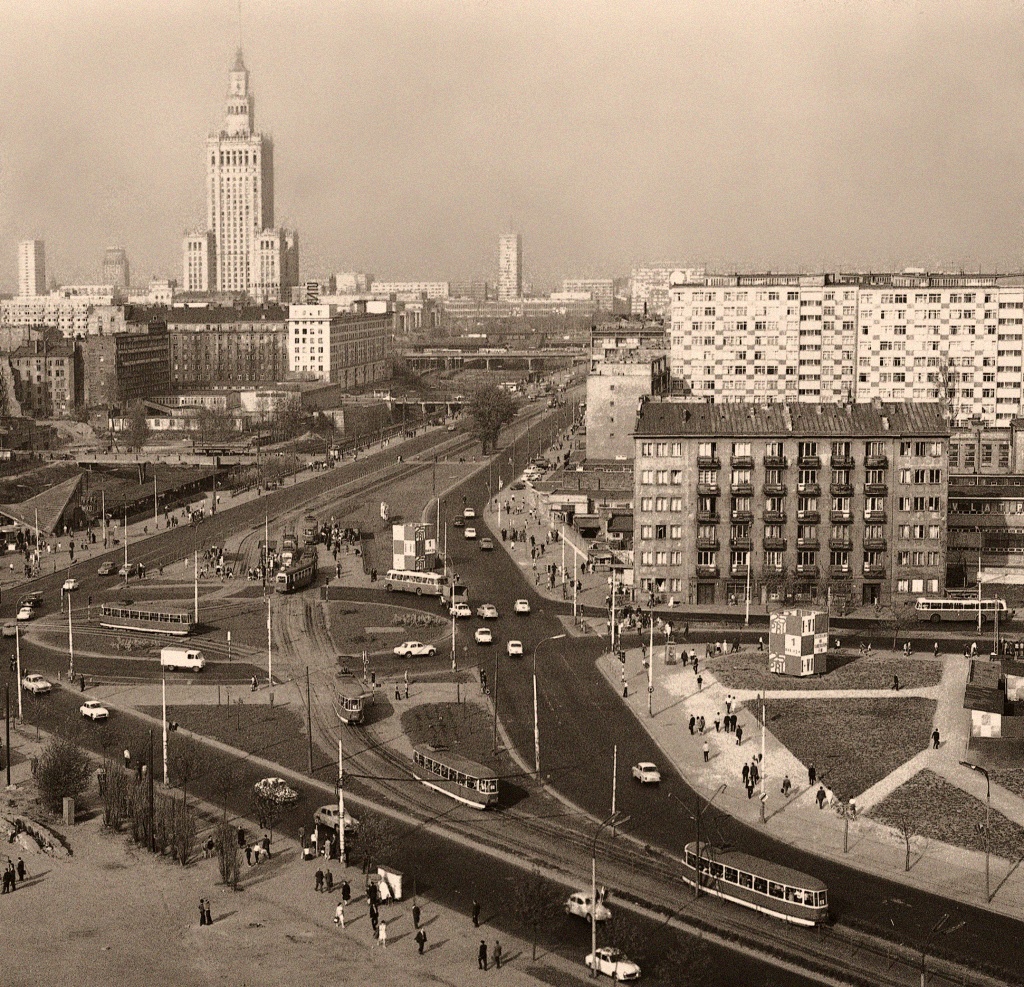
239, 25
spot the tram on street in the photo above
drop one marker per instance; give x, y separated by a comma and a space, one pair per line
410, 581
457, 777
759, 884
349, 699
300, 574
146, 619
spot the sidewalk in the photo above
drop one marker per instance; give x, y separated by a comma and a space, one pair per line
939, 868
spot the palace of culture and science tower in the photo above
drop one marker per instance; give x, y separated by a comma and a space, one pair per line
240, 250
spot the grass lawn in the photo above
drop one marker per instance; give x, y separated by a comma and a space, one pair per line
352, 626
940, 811
465, 728
746, 670
853, 743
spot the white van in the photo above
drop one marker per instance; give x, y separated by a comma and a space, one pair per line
186, 659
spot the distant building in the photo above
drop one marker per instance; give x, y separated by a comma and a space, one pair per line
352, 283
648, 289
31, 268
115, 268
351, 350
599, 288
127, 365
48, 376
628, 363
199, 261
429, 289
478, 290
807, 502
510, 267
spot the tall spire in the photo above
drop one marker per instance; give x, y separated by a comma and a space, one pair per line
239, 108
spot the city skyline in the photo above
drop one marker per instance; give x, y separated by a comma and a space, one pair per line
792, 138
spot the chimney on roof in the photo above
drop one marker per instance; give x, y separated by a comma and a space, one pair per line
686, 414
885, 422
876, 403
820, 410
787, 418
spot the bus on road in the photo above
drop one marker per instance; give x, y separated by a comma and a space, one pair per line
963, 608
420, 583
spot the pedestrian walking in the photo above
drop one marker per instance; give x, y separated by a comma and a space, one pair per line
896, 683
820, 797
755, 774
328, 880
739, 736
318, 880
127, 759
382, 934
935, 739
750, 789
718, 721
476, 914
398, 693
728, 704
339, 915
481, 956
248, 854
202, 913
760, 643
415, 916
21, 869
787, 786
346, 892
707, 751
421, 940
812, 775
407, 683
935, 648
496, 953
745, 772
209, 917
701, 723
693, 723
700, 682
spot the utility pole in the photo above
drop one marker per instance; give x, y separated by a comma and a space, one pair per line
7, 727
309, 723
163, 699
17, 656
152, 827
341, 802
71, 643
156, 507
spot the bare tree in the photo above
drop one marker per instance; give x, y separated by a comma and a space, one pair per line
267, 811
229, 860
896, 619
906, 824
535, 901
377, 837
186, 763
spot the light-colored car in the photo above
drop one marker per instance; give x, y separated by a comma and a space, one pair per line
521, 606
579, 904
10, 628
70, 585
469, 512
647, 773
129, 570
415, 649
107, 569
514, 649
483, 635
613, 962
93, 710
276, 790
460, 610
35, 683
487, 611
25, 613
469, 534
327, 815
486, 544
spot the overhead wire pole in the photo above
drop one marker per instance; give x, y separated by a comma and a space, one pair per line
163, 700
17, 657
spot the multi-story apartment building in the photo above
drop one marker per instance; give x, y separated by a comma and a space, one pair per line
48, 376
835, 337
628, 363
814, 502
649, 288
510, 267
342, 348
600, 288
431, 289
127, 365
31, 268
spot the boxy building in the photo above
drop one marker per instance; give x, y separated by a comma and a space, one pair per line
798, 642
810, 502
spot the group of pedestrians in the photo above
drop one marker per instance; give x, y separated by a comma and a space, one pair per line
751, 774
13, 874
205, 917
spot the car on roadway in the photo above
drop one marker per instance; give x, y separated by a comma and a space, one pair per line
470, 534
486, 544
647, 773
25, 613
10, 628
35, 683
483, 635
579, 904
327, 815
487, 611
128, 570
458, 523
33, 600
613, 963
70, 585
415, 649
518, 485
107, 569
276, 790
469, 513
451, 428
460, 610
521, 606
514, 649
93, 710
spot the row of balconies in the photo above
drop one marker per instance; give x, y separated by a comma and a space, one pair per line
779, 517
871, 571
780, 462
779, 544
780, 489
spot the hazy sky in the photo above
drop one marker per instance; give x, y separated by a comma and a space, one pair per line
778, 136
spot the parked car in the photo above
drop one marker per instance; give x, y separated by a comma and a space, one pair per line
486, 545
460, 610
10, 628
415, 649
483, 635
108, 568
613, 962
521, 606
327, 815
276, 790
470, 534
514, 649
128, 570
647, 773
35, 683
579, 904
93, 710
70, 585
487, 611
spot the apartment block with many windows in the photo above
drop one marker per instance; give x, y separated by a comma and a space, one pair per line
790, 501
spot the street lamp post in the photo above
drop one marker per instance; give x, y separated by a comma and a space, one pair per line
696, 817
536, 717
614, 819
988, 810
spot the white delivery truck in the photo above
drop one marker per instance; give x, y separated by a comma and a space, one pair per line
183, 659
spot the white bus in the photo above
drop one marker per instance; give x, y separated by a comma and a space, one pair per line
963, 609
409, 581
